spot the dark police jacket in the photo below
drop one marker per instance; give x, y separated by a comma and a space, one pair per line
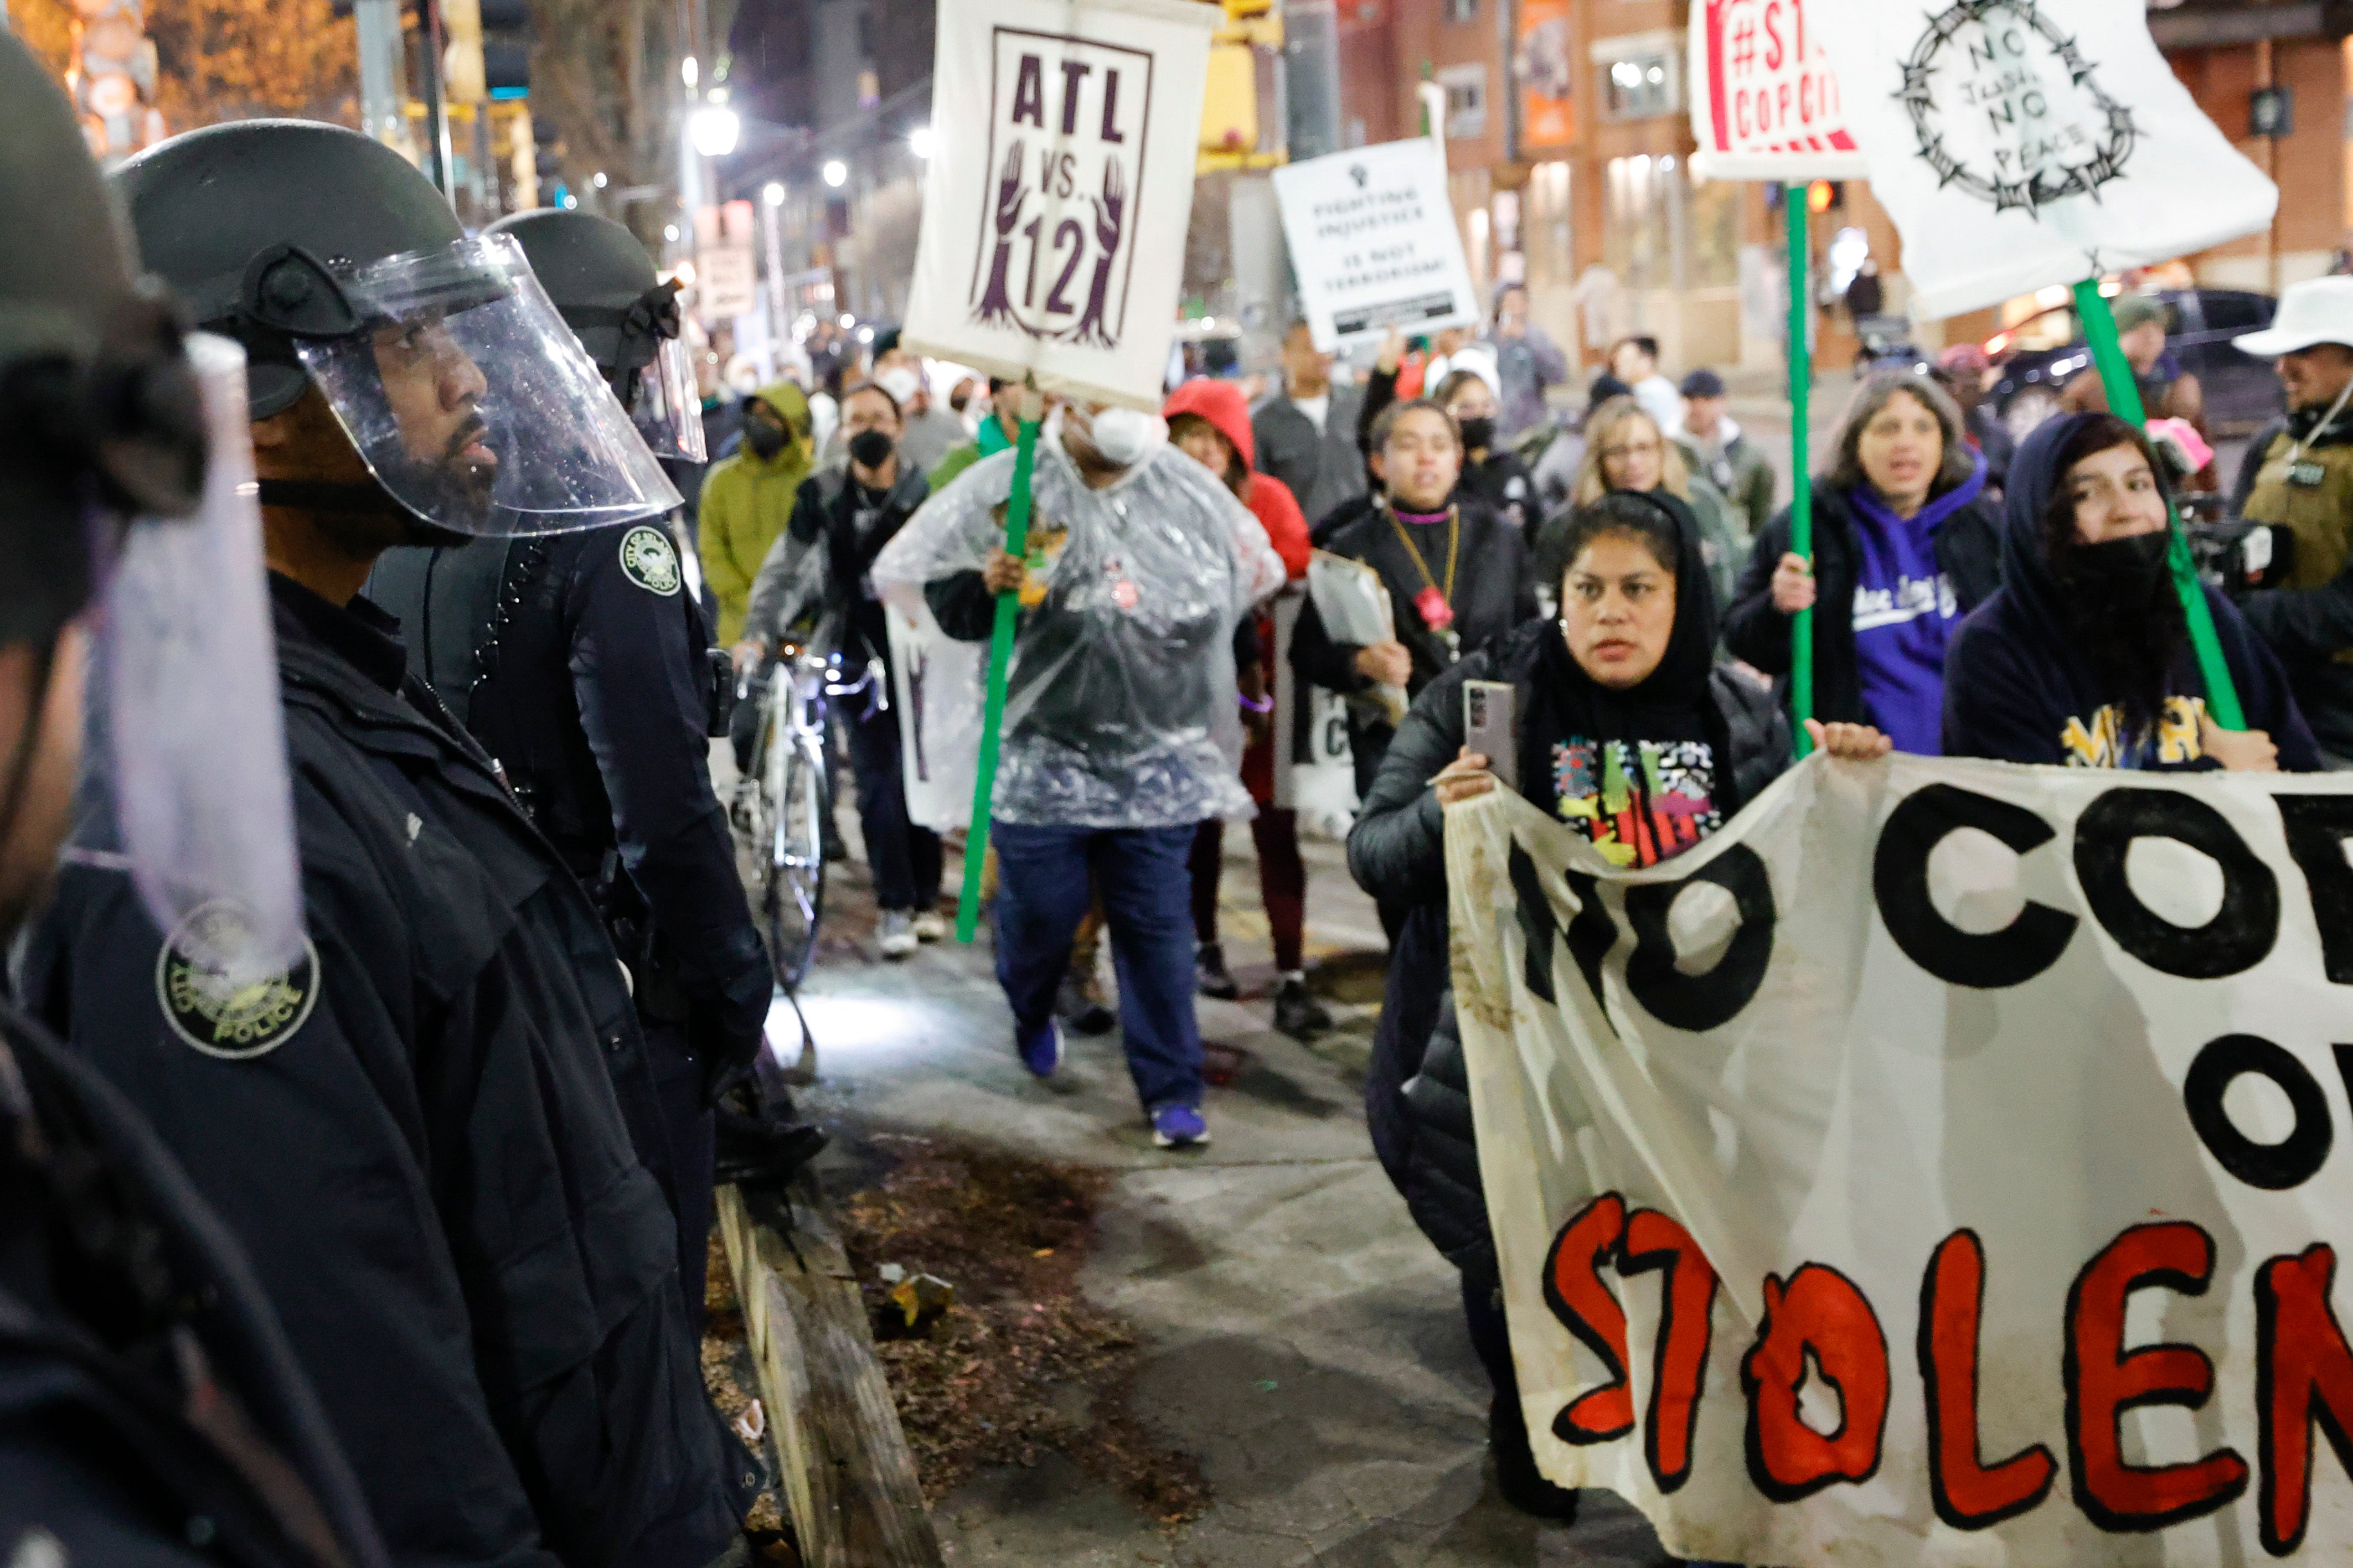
414, 1135
112, 1335
580, 663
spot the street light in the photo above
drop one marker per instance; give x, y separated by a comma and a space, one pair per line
836, 172
669, 232
690, 72
774, 195
921, 141
715, 129
597, 179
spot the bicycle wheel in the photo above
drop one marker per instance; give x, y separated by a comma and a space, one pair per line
792, 887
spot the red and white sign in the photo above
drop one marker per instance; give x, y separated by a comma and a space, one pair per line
1765, 101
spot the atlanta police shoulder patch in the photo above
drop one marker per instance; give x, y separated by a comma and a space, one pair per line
219, 1011
651, 559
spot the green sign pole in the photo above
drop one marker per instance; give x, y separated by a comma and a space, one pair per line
1000, 660
1802, 478
2124, 401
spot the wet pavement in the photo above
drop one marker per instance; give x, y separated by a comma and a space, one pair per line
1300, 1337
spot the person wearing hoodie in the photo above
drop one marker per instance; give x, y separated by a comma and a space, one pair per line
747, 499
1208, 420
845, 515
1713, 445
1905, 545
2081, 657
1632, 735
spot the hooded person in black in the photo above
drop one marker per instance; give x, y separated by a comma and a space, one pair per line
1629, 731
2083, 657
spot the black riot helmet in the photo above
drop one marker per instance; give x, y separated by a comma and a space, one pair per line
340, 267
99, 410
603, 284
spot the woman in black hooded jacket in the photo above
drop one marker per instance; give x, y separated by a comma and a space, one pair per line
2083, 657
1621, 691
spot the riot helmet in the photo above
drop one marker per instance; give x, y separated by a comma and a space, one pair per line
126, 505
604, 286
339, 267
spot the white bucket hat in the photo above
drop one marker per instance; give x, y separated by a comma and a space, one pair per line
2319, 310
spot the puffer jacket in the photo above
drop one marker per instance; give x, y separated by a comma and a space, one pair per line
1418, 1094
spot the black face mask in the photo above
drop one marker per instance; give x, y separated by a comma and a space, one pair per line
2124, 567
1477, 435
870, 448
764, 440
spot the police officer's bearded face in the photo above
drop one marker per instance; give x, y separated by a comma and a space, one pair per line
2314, 376
435, 389
40, 753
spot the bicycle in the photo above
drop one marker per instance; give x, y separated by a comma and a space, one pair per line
782, 806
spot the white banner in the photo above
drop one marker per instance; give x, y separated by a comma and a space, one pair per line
2019, 143
937, 683
1935, 1165
1374, 242
1057, 199
1765, 102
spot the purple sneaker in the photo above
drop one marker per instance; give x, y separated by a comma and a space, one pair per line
1178, 1127
1040, 1049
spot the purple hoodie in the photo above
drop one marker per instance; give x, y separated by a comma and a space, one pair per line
1904, 611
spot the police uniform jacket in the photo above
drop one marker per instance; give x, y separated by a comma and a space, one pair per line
109, 1348
2298, 478
414, 1133
580, 663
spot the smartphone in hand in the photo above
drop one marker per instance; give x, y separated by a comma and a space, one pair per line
1491, 726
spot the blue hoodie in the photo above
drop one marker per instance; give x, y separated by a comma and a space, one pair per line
2018, 690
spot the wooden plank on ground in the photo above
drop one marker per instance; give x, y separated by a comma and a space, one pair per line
850, 1482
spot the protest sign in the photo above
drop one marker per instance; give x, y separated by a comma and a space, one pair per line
1373, 242
1055, 202
936, 683
1765, 101
2019, 143
1935, 1165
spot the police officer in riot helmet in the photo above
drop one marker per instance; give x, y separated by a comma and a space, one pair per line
150, 1410
582, 664
432, 1123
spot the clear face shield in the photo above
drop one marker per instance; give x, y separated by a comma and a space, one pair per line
185, 738
472, 403
667, 412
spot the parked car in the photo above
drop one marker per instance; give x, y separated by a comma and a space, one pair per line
2046, 350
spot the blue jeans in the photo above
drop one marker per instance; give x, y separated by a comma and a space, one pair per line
1043, 876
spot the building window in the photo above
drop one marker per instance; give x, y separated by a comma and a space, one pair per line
1466, 100
1461, 10
1642, 85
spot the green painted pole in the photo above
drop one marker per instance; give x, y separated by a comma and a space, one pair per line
1801, 477
2124, 401
1000, 662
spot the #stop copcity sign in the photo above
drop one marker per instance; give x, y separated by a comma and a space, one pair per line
1765, 104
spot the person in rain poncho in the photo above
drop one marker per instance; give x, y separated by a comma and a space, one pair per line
1121, 732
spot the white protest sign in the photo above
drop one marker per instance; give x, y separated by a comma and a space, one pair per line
938, 684
1374, 244
1936, 1165
1765, 101
1055, 202
2019, 143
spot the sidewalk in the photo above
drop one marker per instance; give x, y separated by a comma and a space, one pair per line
1300, 1337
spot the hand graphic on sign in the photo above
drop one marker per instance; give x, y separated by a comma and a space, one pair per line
997, 300
1109, 211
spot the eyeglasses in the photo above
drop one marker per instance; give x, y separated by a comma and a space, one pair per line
1640, 449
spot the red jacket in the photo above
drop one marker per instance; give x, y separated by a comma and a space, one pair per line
1222, 405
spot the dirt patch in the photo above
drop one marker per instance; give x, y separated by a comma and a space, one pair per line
729, 1374
1021, 1362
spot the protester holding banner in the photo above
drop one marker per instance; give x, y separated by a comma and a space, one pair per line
1905, 545
1306, 435
2083, 656
1119, 712
1456, 575
1626, 450
1632, 735
1210, 422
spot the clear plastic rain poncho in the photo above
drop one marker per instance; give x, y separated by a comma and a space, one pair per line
1120, 709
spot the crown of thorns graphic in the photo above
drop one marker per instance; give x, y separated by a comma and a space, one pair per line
2037, 189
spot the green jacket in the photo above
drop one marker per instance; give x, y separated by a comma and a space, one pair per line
991, 440
1740, 469
747, 499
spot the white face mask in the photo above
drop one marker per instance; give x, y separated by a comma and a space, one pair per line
1122, 435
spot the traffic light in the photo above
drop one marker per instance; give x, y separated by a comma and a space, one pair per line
1824, 195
